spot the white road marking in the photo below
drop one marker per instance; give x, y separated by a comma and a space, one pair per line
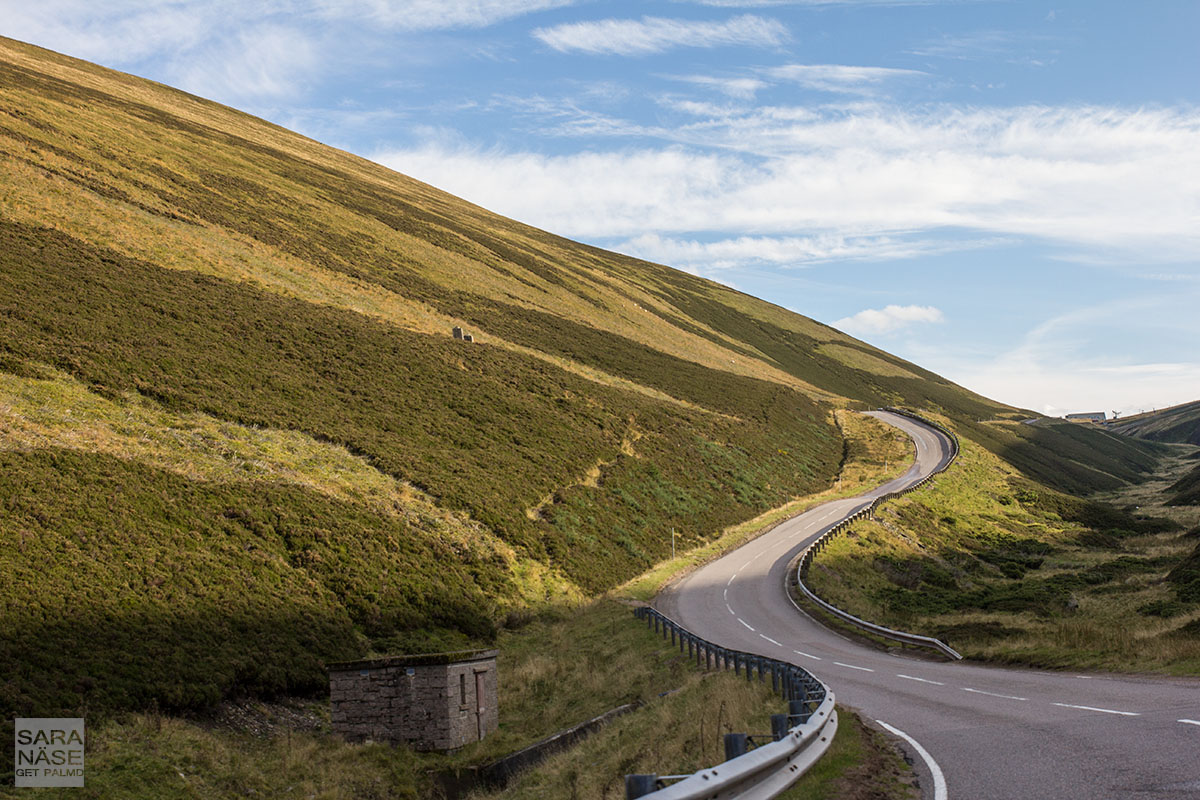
939, 780
739, 619
1101, 710
993, 694
730, 609
1189, 721
806, 655
725, 594
769, 639
922, 680
731, 577
851, 666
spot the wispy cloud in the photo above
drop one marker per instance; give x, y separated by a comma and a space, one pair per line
125, 32
1075, 361
262, 62
740, 88
839, 77
769, 3
1015, 47
629, 37
887, 320
420, 15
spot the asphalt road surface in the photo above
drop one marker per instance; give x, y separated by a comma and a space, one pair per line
986, 732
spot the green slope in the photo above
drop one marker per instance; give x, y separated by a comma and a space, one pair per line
239, 437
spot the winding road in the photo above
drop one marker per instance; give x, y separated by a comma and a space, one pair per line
975, 732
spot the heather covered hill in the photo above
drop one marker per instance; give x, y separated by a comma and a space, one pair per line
1179, 424
237, 437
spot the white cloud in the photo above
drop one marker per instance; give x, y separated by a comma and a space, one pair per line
781, 251
839, 77
887, 320
1117, 183
1060, 389
656, 34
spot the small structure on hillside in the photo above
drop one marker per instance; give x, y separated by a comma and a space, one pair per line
1091, 416
433, 701
457, 331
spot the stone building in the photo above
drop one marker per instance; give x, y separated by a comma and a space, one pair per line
435, 701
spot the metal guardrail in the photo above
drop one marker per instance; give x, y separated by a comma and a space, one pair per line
806, 557
798, 738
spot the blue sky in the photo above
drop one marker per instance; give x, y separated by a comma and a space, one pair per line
1007, 193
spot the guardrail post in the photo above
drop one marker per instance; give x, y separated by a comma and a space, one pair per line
774, 677
779, 726
672, 634
640, 785
749, 669
735, 745
799, 710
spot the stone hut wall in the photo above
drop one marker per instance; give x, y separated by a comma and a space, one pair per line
438, 701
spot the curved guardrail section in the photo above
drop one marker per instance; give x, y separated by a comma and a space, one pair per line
806, 557
798, 738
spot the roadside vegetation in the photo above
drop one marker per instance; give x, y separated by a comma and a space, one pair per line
1005, 569
559, 669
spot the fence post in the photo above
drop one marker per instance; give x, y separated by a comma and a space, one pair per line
779, 726
640, 785
735, 745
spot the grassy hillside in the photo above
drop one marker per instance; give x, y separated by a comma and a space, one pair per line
237, 437
1176, 424
1186, 490
1006, 569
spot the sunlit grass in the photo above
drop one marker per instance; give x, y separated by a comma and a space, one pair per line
875, 453
1006, 572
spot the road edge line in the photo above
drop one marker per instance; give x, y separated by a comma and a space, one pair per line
939, 780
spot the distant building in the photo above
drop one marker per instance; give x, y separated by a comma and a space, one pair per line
1091, 416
